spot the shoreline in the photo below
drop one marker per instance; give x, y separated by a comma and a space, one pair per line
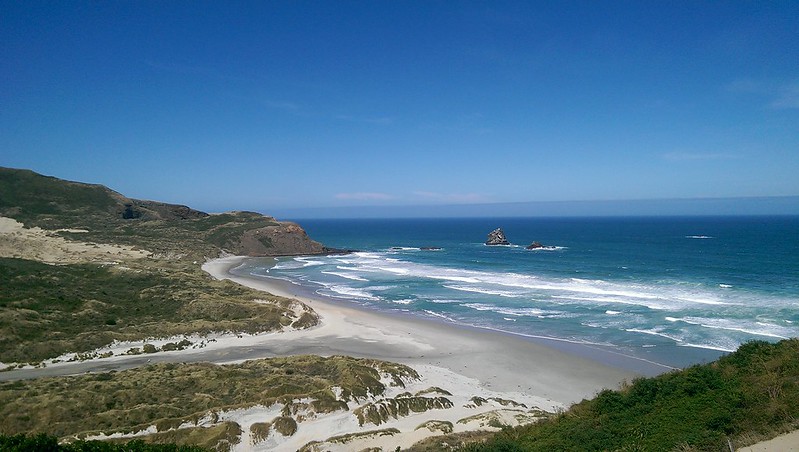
558, 371
515, 379
506, 371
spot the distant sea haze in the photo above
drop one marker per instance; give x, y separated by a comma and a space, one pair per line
749, 206
673, 290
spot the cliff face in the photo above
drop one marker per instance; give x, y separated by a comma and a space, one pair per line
282, 239
166, 229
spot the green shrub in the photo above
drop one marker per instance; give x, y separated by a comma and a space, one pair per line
751, 393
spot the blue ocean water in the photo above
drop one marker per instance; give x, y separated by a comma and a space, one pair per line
671, 290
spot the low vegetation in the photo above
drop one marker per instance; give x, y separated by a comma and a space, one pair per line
383, 410
47, 310
744, 397
169, 396
321, 446
48, 443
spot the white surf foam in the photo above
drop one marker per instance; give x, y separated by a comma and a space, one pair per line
351, 292
465, 279
548, 248
654, 333
439, 315
518, 312
742, 326
696, 315
395, 270
501, 293
346, 276
308, 262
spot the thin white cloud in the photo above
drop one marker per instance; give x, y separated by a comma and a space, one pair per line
747, 85
365, 196
369, 120
693, 156
454, 198
474, 123
783, 95
787, 97
283, 105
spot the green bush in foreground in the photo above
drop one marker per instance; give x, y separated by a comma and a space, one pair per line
750, 394
46, 443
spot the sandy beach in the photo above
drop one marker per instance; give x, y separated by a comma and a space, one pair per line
464, 361
499, 361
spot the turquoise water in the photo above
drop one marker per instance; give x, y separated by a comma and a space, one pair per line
671, 290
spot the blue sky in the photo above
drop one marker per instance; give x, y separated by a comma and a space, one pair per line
282, 105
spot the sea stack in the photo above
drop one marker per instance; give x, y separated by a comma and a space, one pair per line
497, 237
535, 246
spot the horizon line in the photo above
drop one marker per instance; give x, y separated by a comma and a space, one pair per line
717, 206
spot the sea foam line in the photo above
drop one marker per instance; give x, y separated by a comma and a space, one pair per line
346, 276
500, 293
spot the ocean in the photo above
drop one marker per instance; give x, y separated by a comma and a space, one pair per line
675, 291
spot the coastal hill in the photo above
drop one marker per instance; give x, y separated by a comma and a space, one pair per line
126, 270
105, 216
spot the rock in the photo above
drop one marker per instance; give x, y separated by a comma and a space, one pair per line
430, 248
497, 237
535, 246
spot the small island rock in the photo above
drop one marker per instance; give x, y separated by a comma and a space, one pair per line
497, 237
535, 246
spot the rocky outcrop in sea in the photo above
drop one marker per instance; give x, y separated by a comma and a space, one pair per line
497, 237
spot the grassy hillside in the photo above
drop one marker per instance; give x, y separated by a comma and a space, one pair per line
741, 398
165, 229
52, 203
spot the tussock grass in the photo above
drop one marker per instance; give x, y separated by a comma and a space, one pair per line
221, 437
320, 446
169, 395
259, 431
442, 426
380, 411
